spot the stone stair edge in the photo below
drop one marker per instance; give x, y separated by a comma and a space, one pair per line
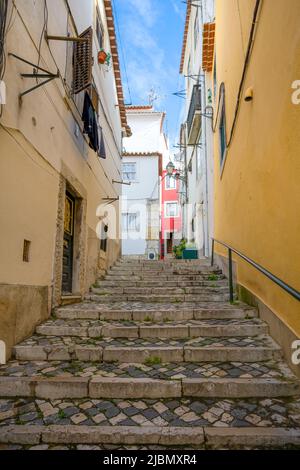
199, 437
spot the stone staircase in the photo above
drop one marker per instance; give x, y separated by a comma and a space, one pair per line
155, 357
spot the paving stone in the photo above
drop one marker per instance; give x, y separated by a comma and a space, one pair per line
137, 331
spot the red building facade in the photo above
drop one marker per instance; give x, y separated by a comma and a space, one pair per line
171, 219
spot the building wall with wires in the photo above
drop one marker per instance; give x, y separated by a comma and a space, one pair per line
257, 196
44, 152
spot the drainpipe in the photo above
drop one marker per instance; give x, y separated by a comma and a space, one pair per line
204, 119
206, 207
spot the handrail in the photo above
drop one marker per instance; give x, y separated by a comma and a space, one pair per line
290, 290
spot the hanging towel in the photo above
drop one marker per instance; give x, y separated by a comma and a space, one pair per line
89, 119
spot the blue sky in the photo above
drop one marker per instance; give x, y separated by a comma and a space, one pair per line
150, 41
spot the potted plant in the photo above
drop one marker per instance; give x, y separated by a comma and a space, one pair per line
103, 57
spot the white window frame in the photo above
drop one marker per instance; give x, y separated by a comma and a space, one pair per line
170, 178
127, 228
167, 203
135, 173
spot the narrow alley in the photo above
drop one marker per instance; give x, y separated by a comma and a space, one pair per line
150, 263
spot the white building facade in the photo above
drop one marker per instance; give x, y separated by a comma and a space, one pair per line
196, 136
143, 156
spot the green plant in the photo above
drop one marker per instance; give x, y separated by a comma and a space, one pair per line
178, 249
152, 361
212, 277
62, 414
148, 319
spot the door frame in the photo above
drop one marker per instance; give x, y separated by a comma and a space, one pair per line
79, 242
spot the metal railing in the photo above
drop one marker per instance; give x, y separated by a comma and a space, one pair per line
290, 290
195, 105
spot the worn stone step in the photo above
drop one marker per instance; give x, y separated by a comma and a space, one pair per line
180, 284
164, 278
109, 298
167, 371
157, 267
165, 274
248, 349
61, 387
166, 329
156, 438
223, 422
151, 312
169, 291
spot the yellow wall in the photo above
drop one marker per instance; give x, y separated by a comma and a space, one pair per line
39, 148
257, 198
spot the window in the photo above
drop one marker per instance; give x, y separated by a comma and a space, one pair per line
222, 132
171, 209
83, 62
170, 182
131, 222
99, 29
129, 171
26, 251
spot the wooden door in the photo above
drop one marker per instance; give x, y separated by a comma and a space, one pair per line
67, 276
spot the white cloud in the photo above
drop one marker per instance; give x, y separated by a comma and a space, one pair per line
147, 65
178, 9
146, 9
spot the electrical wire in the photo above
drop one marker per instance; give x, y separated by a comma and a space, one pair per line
3, 24
257, 9
65, 87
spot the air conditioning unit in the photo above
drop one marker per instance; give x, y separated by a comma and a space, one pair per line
151, 255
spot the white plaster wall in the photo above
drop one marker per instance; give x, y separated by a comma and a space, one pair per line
135, 199
200, 179
146, 135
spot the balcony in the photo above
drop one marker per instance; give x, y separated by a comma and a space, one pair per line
194, 116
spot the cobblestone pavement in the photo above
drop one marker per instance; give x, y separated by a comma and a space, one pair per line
220, 342
165, 322
9, 447
168, 412
270, 369
90, 318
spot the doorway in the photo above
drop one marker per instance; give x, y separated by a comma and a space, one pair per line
68, 249
170, 242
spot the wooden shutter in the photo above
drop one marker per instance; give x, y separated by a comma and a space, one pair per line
83, 61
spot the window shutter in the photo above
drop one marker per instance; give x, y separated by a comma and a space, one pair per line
83, 61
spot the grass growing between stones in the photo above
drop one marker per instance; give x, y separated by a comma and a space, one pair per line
152, 361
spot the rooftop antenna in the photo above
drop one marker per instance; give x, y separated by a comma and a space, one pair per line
153, 96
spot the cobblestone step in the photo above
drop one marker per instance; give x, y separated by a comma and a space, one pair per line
187, 413
165, 291
167, 284
152, 438
169, 268
154, 357
164, 275
166, 329
152, 312
166, 371
156, 298
248, 349
61, 387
